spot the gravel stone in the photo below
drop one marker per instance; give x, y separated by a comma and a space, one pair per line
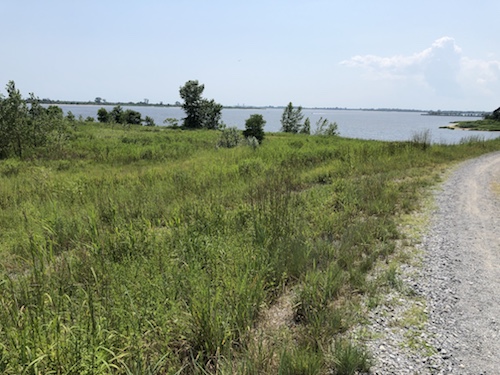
456, 286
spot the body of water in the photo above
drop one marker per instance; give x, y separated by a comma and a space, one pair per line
379, 125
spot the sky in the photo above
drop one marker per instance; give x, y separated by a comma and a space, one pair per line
426, 54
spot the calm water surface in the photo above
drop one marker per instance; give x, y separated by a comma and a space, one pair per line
379, 125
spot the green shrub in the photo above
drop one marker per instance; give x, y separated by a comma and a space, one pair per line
229, 138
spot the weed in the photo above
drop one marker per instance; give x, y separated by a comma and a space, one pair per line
347, 358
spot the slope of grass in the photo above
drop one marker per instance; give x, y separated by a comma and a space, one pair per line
147, 250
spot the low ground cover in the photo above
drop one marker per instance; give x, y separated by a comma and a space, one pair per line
138, 250
486, 124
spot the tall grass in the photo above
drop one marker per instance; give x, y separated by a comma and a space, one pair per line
137, 250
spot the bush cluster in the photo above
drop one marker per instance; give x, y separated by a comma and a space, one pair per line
26, 126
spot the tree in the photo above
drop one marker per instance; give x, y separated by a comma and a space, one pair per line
102, 115
306, 128
324, 127
191, 94
291, 119
149, 121
495, 115
211, 114
70, 116
116, 114
254, 127
200, 112
23, 129
131, 117
13, 122
37, 123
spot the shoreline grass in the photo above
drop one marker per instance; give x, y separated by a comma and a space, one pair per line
483, 125
149, 250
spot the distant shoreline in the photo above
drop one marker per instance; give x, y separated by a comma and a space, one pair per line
453, 113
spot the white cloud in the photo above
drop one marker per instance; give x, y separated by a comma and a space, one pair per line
441, 67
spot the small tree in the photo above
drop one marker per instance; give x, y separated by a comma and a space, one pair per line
211, 114
324, 127
191, 93
306, 128
131, 117
254, 127
200, 112
102, 115
13, 122
116, 114
291, 119
70, 116
149, 121
23, 129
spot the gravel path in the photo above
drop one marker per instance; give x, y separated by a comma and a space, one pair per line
463, 267
446, 318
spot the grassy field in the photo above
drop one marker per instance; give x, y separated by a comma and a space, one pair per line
487, 125
138, 250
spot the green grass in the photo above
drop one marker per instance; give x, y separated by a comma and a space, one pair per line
138, 250
488, 125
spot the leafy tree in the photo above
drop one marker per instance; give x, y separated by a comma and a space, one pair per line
13, 122
306, 128
70, 116
131, 117
102, 115
200, 112
116, 114
212, 113
149, 121
291, 119
23, 129
254, 127
495, 115
191, 94
37, 124
55, 112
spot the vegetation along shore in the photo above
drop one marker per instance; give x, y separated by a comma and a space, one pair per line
490, 122
192, 249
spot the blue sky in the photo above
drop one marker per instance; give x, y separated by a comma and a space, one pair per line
353, 53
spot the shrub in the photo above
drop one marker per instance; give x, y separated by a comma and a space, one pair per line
324, 127
254, 127
252, 142
229, 137
148, 121
102, 115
